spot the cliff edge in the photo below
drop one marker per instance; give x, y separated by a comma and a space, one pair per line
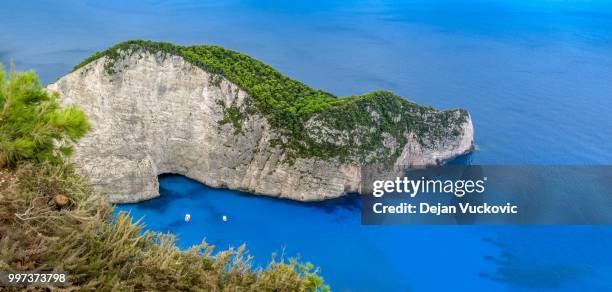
227, 120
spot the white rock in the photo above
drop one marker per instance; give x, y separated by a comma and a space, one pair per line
160, 114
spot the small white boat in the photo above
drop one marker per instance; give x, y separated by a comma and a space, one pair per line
187, 217
224, 218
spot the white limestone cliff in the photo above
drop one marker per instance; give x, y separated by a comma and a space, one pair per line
160, 114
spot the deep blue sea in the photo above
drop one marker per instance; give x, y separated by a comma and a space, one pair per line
536, 76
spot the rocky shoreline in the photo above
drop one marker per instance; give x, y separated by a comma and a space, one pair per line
161, 114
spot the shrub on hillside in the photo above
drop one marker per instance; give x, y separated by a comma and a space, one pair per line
51, 220
32, 124
101, 251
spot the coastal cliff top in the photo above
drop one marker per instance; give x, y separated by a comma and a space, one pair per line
376, 125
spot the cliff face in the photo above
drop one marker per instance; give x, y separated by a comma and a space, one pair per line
157, 113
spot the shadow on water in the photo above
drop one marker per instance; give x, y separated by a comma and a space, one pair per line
465, 159
348, 202
528, 272
158, 204
196, 195
172, 225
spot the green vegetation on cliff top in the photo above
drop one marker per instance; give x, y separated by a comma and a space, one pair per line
288, 104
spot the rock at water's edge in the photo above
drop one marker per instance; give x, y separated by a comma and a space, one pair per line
161, 115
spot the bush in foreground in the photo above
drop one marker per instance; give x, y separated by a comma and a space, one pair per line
51, 220
80, 238
32, 124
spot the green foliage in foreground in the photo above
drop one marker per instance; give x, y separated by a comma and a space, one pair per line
287, 104
32, 125
97, 253
51, 220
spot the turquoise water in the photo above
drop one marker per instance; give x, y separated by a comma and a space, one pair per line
382, 258
536, 76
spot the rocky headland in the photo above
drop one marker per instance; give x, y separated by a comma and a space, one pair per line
230, 121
